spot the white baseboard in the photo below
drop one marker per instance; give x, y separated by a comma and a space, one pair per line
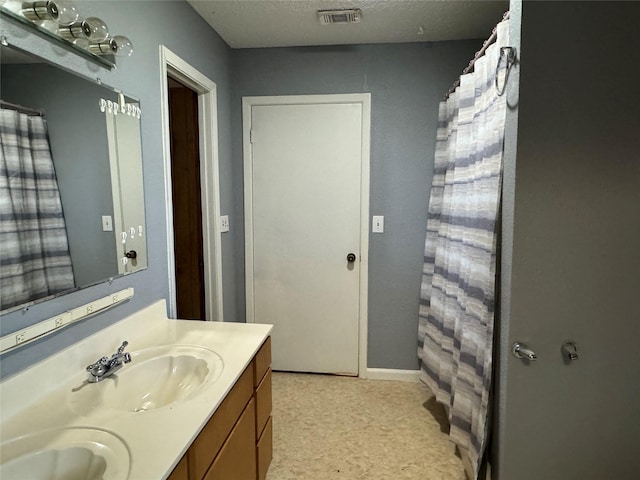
392, 374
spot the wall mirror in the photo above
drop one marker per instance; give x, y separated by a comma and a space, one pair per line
71, 191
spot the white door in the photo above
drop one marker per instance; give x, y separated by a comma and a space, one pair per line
305, 220
123, 136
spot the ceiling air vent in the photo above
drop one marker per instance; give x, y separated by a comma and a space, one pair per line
328, 17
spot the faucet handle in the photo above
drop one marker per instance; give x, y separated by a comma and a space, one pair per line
122, 347
120, 354
101, 362
99, 367
570, 350
519, 350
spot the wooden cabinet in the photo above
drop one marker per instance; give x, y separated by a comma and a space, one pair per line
265, 450
264, 422
181, 472
210, 440
236, 443
237, 458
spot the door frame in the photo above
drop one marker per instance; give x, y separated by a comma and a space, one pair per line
364, 99
174, 66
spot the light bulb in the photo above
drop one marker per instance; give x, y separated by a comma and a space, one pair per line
98, 31
67, 13
121, 46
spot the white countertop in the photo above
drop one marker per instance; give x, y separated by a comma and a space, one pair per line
38, 398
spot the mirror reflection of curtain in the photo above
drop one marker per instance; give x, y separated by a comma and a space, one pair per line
34, 256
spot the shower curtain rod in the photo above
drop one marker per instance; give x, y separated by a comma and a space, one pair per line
21, 109
479, 53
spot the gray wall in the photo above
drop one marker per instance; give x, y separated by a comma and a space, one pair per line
78, 140
570, 246
177, 26
406, 82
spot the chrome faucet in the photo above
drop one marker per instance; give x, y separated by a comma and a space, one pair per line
105, 367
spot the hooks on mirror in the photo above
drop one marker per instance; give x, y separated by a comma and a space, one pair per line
119, 106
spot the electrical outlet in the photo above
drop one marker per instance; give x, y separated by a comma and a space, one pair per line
21, 337
59, 322
89, 309
114, 298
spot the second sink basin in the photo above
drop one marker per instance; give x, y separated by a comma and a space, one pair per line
155, 378
79, 453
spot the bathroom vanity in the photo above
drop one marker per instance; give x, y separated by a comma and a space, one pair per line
193, 403
236, 443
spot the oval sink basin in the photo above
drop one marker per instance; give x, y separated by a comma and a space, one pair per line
156, 377
77, 453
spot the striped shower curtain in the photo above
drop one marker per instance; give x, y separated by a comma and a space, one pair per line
34, 250
458, 282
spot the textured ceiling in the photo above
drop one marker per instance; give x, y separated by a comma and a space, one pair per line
287, 23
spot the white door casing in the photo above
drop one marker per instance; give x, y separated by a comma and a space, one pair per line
308, 139
174, 66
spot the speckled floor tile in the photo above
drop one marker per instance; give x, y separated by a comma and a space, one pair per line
327, 427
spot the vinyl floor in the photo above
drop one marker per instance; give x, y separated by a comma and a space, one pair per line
328, 427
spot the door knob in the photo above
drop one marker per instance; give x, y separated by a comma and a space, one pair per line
131, 254
520, 350
351, 257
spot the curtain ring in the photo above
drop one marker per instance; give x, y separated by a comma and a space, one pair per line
509, 53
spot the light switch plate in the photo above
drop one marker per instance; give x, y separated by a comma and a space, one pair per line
224, 223
107, 223
377, 224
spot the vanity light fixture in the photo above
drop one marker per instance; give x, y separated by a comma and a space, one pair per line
61, 17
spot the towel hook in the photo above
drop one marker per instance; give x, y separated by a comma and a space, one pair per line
510, 54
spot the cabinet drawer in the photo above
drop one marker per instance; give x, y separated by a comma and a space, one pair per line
265, 450
237, 458
211, 438
263, 403
262, 361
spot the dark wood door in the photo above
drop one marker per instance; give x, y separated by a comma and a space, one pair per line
187, 210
